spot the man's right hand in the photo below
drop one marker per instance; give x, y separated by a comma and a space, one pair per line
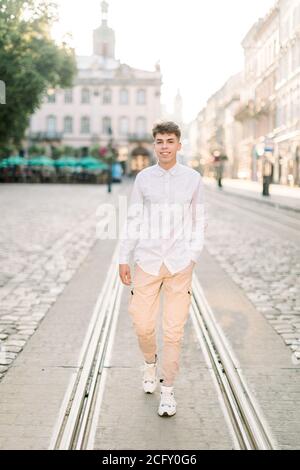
124, 272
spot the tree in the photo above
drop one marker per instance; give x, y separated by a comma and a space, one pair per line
30, 63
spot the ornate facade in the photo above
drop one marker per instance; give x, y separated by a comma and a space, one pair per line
109, 99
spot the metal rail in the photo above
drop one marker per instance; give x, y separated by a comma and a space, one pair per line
79, 413
75, 420
248, 425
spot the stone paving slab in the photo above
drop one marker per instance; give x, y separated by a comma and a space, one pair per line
261, 256
32, 391
46, 231
128, 416
264, 360
285, 198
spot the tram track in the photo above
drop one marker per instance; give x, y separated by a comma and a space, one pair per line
76, 423
248, 427
81, 407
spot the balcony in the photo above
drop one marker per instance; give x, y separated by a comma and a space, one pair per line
48, 136
140, 137
262, 107
245, 111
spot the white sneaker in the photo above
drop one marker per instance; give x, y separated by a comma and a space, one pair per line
150, 380
167, 406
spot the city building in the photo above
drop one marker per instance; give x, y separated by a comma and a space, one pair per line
218, 132
109, 100
286, 134
256, 114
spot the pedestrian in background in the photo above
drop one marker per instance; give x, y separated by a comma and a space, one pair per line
267, 171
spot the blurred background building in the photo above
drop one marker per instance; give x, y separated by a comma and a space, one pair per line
256, 114
109, 100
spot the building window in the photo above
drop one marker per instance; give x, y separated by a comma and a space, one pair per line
123, 126
106, 126
141, 97
141, 126
85, 95
51, 97
124, 96
85, 125
106, 96
69, 96
51, 124
68, 125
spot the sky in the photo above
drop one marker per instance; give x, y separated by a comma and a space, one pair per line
198, 42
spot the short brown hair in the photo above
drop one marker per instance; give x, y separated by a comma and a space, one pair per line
166, 127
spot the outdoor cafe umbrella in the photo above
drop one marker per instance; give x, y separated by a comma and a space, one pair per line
87, 161
65, 161
13, 161
3, 163
41, 161
92, 163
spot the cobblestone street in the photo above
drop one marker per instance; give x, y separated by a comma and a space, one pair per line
263, 261
149, 228
45, 233
53, 269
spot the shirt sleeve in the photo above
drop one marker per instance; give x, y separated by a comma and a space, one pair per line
199, 223
132, 228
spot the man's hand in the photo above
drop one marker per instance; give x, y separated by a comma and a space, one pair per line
124, 272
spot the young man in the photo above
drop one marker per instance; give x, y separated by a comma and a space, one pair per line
162, 257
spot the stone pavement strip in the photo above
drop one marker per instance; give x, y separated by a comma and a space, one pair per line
46, 231
128, 416
32, 391
280, 196
264, 359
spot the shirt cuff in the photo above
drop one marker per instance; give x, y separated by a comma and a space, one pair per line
195, 255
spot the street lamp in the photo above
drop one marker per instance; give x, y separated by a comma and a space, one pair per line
110, 158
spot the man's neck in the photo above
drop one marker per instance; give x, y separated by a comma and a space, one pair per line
167, 166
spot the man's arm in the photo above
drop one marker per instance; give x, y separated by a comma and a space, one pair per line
198, 221
131, 231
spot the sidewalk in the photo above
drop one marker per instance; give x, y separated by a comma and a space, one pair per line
33, 389
283, 197
128, 417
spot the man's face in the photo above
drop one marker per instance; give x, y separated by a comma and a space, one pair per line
166, 146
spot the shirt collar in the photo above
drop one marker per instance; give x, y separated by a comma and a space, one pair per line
161, 171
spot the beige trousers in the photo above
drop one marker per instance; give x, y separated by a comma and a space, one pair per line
143, 308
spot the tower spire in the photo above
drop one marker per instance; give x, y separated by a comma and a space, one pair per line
104, 37
104, 11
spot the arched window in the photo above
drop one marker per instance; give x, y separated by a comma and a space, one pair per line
51, 97
106, 96
141, 96
85, 125
68, 125
124, 96
123, 126
85, 95
106, 126
141, 126
69, 96
51, 124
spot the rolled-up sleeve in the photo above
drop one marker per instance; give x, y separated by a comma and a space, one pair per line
132, 227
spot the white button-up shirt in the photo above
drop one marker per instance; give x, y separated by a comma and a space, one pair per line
176, 195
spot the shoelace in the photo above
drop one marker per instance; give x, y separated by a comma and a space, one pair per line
167, 399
